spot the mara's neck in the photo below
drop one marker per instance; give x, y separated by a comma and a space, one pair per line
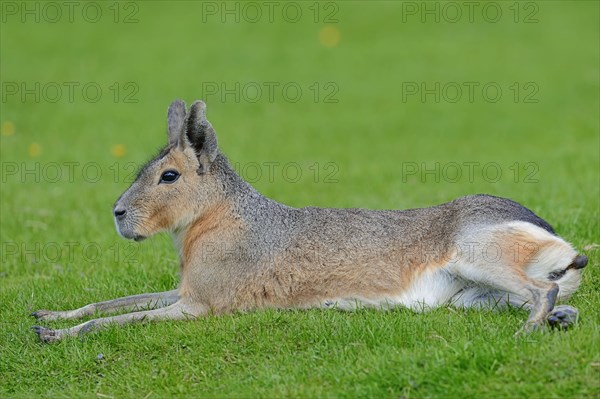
236, 201
242, 195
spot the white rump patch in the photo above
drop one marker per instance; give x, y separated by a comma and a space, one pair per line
555, 256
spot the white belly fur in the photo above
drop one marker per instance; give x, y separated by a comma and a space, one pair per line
430, 290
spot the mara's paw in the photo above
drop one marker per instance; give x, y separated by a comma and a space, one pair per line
45, 315
46, 335
562, 317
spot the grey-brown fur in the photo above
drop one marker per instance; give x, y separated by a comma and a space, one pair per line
241, 251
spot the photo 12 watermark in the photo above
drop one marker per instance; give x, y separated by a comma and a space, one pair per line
470, 92
270, 11
69, 92
271, 92
525, 12
51, 12
469, 172
67, 172
289, 172
54, 252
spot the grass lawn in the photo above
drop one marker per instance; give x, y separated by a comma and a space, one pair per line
346, 104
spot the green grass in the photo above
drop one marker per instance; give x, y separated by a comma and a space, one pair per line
60, 249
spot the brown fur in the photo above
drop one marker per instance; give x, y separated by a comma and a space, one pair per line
217, 217
316, 276
517, 248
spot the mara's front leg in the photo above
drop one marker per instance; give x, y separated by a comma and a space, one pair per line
128, 304
181, 309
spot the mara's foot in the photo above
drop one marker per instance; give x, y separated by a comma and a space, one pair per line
562, 317
46, 315
46, 335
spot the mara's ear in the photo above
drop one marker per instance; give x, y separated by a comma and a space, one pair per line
201, 135
176, 121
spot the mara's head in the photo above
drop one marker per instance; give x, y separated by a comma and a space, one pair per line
178, 184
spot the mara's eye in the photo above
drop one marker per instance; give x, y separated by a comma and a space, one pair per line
169, 176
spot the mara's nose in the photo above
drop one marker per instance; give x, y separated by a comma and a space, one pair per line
120, 213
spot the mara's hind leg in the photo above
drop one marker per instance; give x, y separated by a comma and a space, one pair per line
526, 261
562, 316
540, 296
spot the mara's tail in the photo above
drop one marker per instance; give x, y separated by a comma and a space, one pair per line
552, 259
